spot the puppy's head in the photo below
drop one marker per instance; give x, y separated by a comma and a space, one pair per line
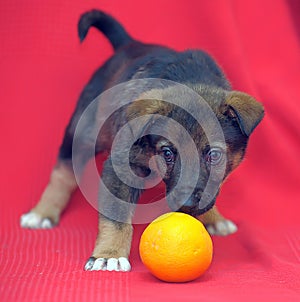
183, 143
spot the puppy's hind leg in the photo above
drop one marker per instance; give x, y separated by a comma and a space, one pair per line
62, 184
54, 199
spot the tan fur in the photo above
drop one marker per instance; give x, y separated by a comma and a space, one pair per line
57, 193
246, 109
155, 101
235, 159
114, 239
146, 106
211, 217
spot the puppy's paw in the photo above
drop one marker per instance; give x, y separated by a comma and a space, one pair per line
222, 228
33, 220
108, 264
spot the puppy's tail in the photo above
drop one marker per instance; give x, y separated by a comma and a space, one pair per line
110, 27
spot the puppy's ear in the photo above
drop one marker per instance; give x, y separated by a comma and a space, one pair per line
147, 106
245, 110
149, 111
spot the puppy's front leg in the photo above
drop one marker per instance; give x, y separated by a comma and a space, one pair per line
216, 224
116, 203
112, 247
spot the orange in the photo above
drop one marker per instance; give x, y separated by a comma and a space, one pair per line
176, 247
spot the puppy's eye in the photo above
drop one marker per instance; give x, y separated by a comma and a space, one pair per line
168, 154
214, 156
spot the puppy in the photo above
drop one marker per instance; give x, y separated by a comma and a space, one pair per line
237, 114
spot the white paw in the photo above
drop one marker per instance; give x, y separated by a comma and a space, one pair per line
111, 264
33, 220
222, 228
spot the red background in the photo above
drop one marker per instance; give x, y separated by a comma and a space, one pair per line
43, 68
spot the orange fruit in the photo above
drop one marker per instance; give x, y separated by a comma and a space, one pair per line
176, 247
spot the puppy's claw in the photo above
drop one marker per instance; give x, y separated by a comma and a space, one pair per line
222, 228
89, 264
124, 264
99, 265
111, 264
33, 220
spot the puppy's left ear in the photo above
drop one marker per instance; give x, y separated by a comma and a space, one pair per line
150, 111
245, 110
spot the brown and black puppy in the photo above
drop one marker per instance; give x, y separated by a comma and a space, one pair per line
237, 115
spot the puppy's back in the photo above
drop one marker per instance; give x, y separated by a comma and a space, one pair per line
136, 60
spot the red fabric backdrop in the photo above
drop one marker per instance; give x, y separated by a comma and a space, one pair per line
42, 71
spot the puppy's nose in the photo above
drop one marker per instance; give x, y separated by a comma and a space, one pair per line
200, 200
189, 202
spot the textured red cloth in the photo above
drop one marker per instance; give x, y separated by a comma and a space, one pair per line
43, 69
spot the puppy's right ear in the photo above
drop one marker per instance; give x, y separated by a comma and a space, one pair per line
245, 110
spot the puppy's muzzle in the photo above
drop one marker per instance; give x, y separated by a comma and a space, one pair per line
196, 204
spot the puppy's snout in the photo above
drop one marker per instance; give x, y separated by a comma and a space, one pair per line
189, 202
200, 200
197, 203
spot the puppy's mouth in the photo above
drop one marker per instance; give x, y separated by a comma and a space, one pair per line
194, 206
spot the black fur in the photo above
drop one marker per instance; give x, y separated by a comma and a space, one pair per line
135, 60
